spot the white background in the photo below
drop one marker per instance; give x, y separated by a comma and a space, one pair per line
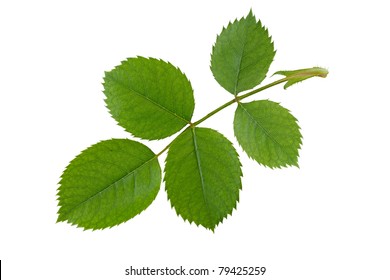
327, 220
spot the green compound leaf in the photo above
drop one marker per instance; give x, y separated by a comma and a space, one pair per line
242, 55
108, 184
296, 76
150, 98
203, 176
268, 133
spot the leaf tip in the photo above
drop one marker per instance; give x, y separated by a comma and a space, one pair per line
322, 72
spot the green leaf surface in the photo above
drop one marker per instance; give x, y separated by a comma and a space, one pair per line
296, 76
268, 133
108, 184
203, 176
150, 98
242, 55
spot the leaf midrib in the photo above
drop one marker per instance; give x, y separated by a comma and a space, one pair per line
240, 69
200, 169
241, 57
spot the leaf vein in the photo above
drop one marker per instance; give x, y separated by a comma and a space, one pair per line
200, 170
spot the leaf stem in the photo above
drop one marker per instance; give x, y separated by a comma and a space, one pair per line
236, 99
167, 147
163, 150
262, 88
214, 112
